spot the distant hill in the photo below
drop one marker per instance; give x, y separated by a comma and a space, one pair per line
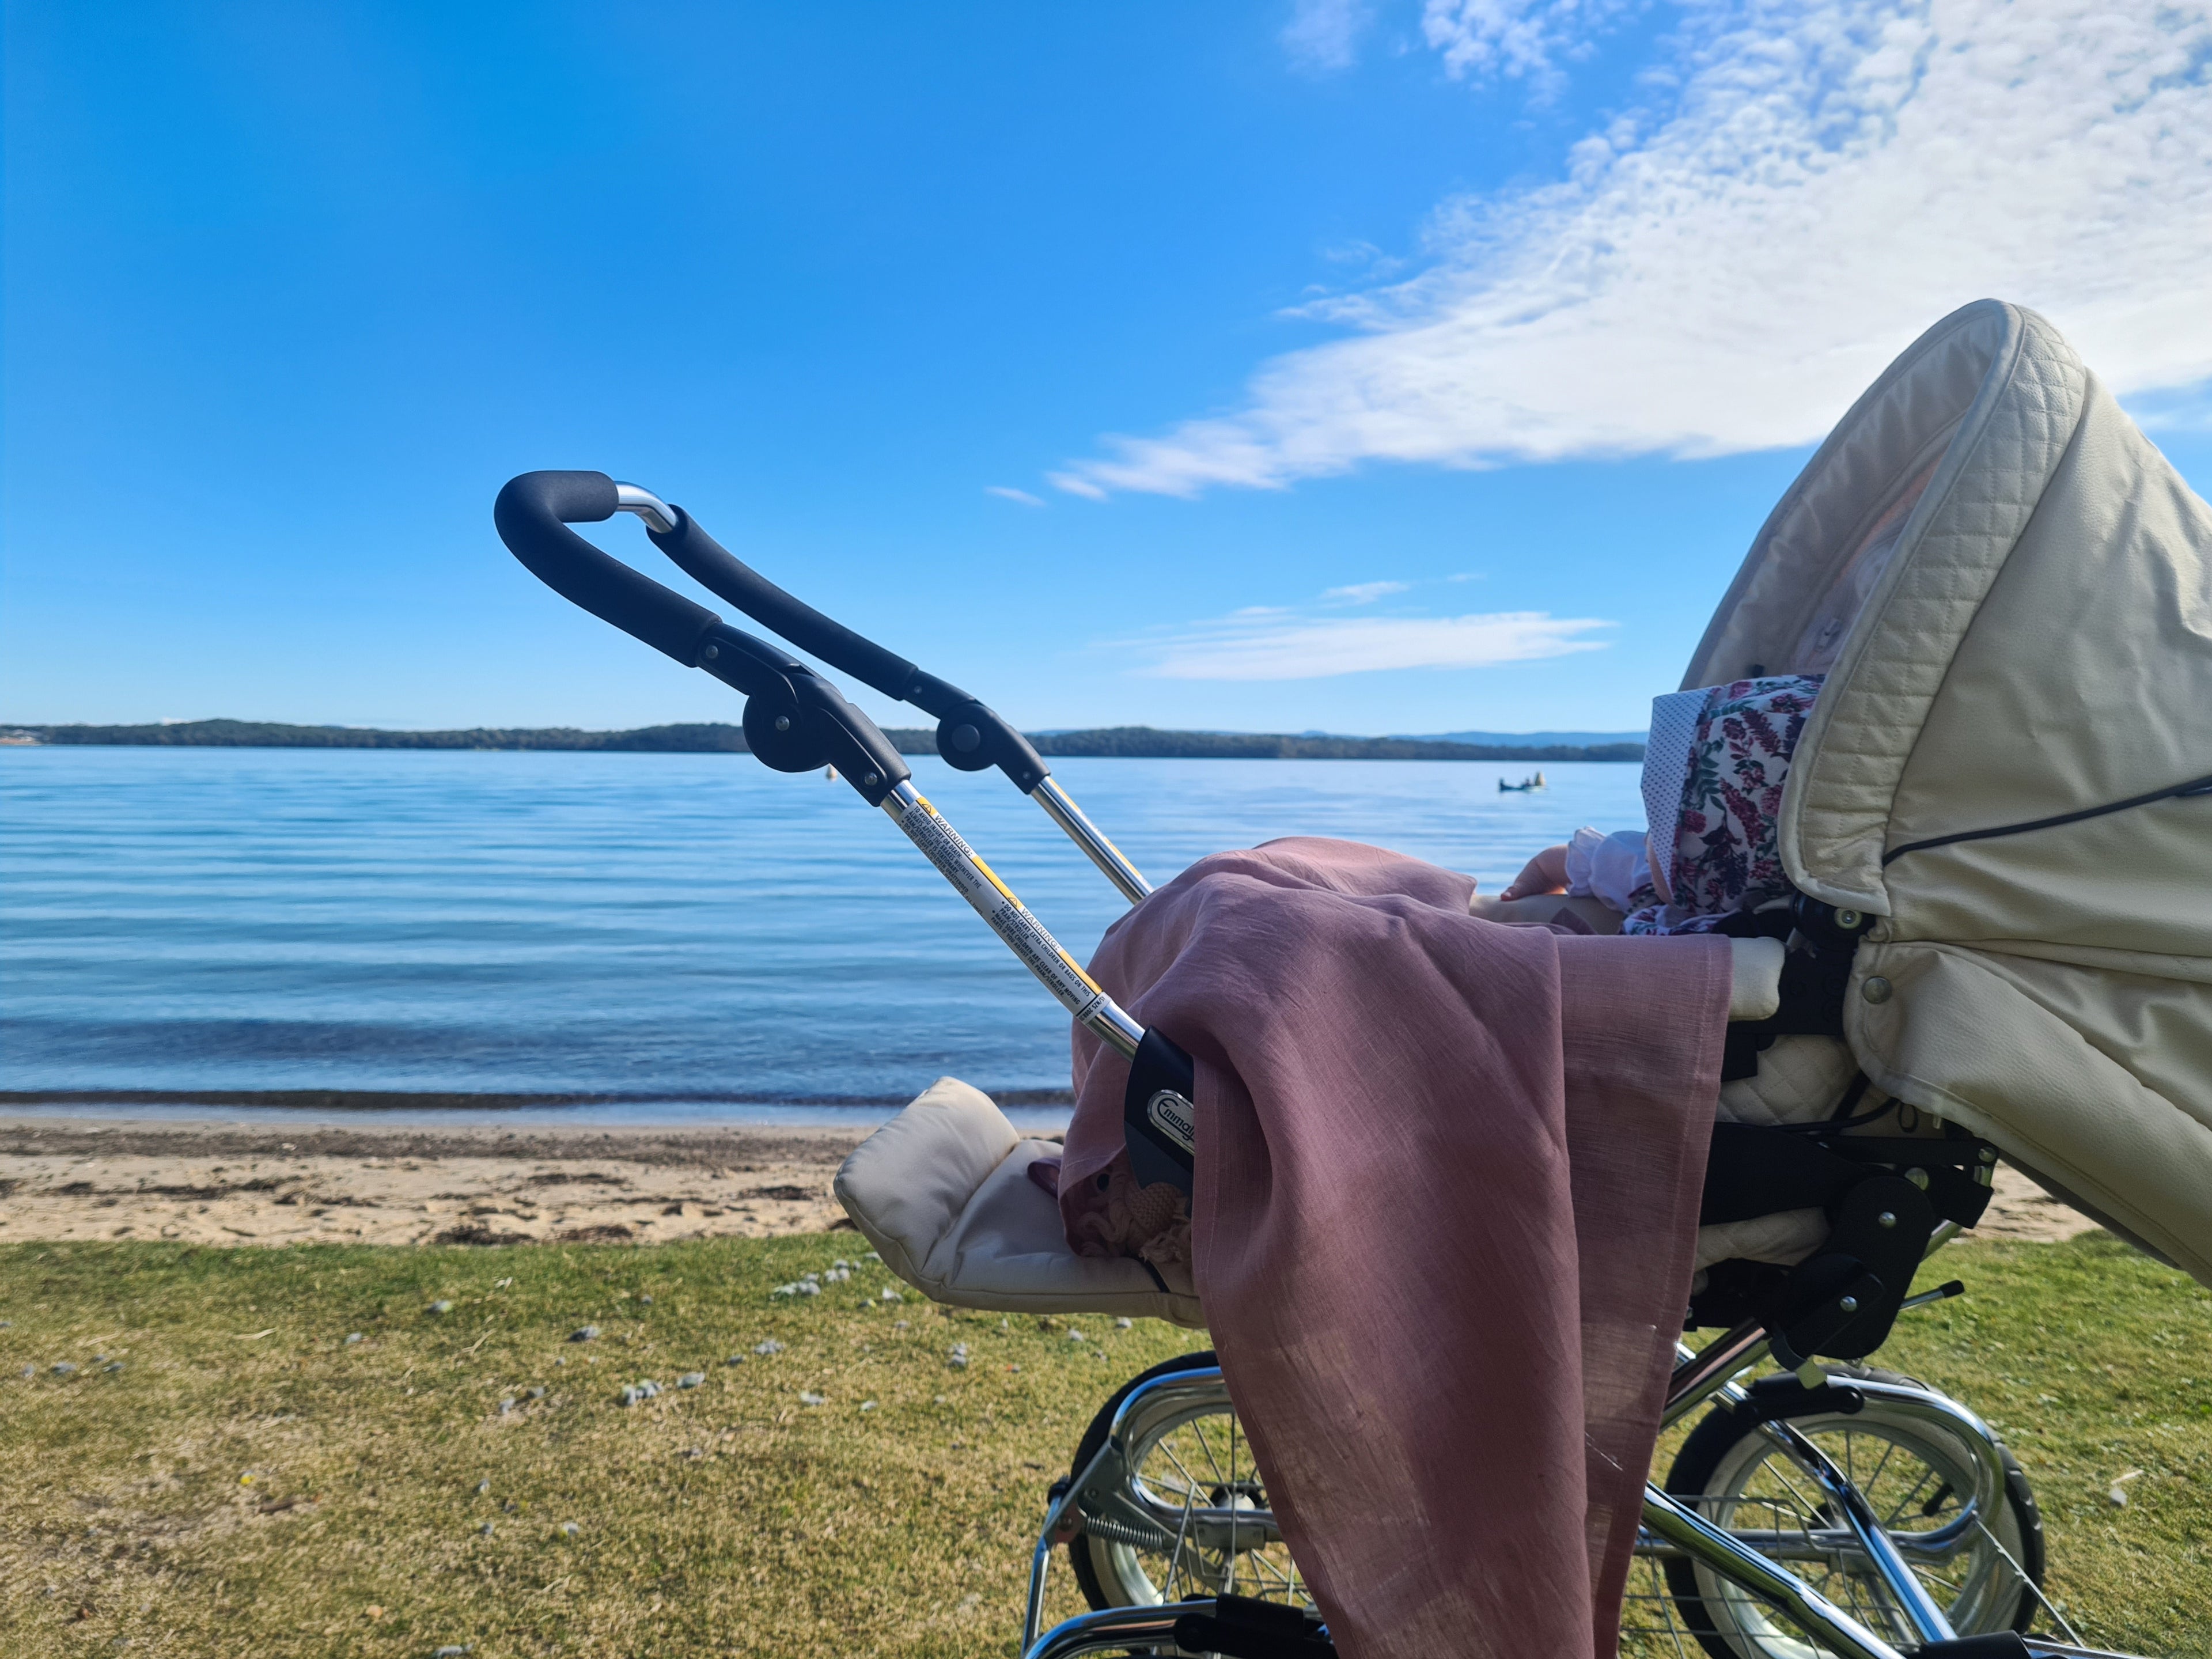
270, 734
1535, 739
1129, 741
1145, 742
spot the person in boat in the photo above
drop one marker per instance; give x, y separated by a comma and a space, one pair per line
1714, 766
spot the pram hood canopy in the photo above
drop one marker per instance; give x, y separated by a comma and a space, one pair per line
2010, 591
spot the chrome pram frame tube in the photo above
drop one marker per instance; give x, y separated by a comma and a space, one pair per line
1700, 1540
1671, 1528
1011, 920
1059, 806
1115, 1629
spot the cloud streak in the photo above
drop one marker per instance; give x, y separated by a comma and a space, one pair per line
1270, 644
1365, 593
1478, 38
1727, 268
1008, 493
1323, 35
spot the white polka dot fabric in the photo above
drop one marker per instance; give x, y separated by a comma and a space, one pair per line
1666, 768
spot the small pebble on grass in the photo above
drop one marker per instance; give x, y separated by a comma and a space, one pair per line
569, 1530
584, 1334
813, 1399
441, 1307
769, 1347
690, 1379
352, 1337
63, 1367
482, 1486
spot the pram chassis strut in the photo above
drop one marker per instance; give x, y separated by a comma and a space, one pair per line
1671, 1528
794, 721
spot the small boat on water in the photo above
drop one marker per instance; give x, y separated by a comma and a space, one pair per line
1527, 785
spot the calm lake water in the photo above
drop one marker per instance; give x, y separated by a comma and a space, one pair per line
687, 929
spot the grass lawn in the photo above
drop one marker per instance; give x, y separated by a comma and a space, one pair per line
249, 1481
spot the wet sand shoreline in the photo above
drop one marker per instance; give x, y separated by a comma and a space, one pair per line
231, 1183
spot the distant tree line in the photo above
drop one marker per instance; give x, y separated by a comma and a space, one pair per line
1126, 742
1146, 743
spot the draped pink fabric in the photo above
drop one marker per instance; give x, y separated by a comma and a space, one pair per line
1447, 1187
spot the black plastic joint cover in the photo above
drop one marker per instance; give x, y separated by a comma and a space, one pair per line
974, 737
1248, 1628
1157, 1124
532, 516
1782, 1396
857, 747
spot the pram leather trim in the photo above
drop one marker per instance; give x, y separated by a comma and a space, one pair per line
943, 1192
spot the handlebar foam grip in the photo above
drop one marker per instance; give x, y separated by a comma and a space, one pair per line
532, 516
716, 569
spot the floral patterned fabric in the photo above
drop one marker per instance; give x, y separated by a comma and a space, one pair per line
1726, 857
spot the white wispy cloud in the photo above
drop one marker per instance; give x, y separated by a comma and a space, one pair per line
1364, 593
1275, 644
1323, 35
1517, 38
1008, 493
1814, 182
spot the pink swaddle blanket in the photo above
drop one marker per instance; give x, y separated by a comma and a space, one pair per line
1447, 1184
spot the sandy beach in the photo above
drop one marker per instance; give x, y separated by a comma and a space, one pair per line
230, 1184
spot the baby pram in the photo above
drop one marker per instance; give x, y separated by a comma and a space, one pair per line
2002, 920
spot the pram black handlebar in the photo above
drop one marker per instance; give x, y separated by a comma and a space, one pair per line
794, 720
969, 735
533, 513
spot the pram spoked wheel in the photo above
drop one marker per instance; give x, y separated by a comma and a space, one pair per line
1209, 1530
1184, 1514
1981, 1561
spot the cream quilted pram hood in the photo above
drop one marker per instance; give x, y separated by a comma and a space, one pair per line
2011, 594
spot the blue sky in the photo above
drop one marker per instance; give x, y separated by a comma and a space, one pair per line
1370, 368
